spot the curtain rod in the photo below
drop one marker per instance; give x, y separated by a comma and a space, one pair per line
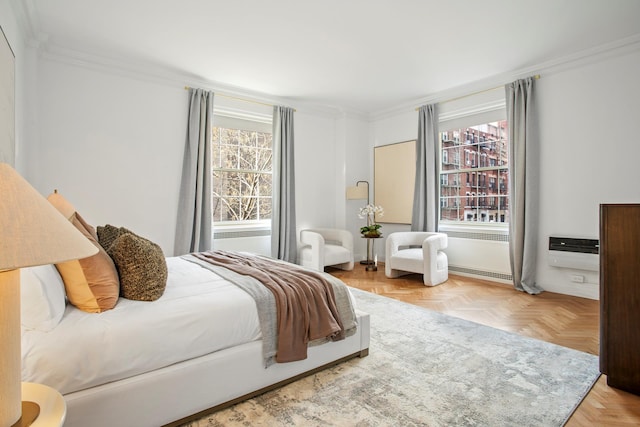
536, 77
237, 98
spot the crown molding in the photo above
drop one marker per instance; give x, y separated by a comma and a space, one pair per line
167, 76
28, 22
578, 59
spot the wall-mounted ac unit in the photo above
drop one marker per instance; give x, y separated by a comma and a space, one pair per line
578, 254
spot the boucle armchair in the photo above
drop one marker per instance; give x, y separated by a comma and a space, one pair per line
417, 252
320, 247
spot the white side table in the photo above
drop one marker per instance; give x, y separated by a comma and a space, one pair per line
53, 408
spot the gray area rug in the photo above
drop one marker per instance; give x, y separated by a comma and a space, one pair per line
429, 369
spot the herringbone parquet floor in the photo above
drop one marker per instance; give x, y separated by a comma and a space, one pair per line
561, 319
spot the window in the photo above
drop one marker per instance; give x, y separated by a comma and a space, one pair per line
482, 202
242, 171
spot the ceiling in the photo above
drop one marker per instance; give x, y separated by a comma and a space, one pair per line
356, 55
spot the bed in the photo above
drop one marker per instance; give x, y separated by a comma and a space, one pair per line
196, 349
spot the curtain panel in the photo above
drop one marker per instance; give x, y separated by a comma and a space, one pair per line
524, 166
424, 216
284, 240
195, 216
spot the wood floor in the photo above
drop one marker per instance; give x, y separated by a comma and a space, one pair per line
561, 319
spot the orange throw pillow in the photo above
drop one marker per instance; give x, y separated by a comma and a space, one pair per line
91, 284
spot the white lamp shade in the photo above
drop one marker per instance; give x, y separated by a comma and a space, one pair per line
32, 231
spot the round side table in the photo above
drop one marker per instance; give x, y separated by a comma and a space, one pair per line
52, 407
371, 263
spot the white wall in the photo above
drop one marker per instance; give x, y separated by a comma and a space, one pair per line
358, 160
589, 154
11, 29
393, 128
317, 172
112, 143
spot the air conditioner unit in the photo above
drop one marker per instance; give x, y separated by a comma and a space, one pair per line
579, 254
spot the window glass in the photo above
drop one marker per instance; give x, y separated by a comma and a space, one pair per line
477, 190
242, 172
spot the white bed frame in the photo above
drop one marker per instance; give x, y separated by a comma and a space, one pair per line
187, 390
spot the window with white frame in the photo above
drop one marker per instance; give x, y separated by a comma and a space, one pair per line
482, 196
242, 171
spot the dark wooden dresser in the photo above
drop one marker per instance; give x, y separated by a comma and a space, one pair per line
620, 295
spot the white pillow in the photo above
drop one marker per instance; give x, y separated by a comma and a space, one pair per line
42, 297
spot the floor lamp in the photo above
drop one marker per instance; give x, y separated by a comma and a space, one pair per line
360, 192
32, 232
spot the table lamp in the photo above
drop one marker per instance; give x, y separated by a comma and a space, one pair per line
32, 232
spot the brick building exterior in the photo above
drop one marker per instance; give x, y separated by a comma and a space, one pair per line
474, 181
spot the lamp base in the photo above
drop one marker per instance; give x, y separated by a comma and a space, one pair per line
30, 411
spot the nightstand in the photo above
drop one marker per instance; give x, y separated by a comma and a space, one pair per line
372, 262
53, 408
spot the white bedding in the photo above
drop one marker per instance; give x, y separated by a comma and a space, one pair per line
91, 349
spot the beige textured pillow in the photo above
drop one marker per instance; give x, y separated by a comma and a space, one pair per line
141, 264
91, 284
61, 204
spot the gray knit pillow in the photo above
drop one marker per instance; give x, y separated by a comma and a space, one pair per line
141, 266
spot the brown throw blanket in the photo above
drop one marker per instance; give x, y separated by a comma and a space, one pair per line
305, 302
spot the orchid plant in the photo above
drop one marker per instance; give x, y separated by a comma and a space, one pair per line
369, 212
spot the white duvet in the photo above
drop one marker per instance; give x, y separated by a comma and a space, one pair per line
199, 313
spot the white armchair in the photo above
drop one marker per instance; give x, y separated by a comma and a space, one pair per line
417, 252
320, 247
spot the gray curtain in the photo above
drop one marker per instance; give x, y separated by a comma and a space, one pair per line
194, 227
524, 166
283, 217
424, 216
